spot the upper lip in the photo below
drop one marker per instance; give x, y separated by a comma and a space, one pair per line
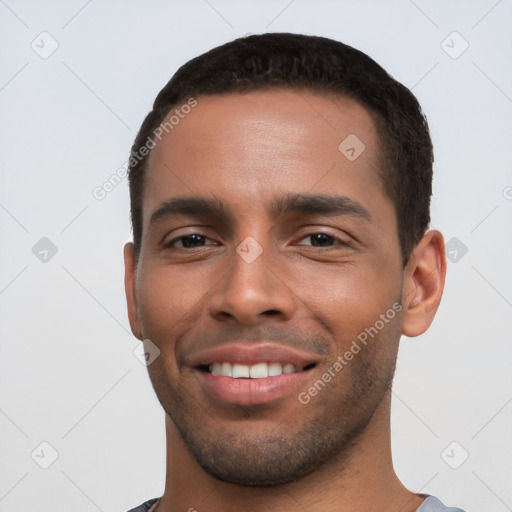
249, 354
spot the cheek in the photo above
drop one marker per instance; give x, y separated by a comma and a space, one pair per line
348, 297
165, 299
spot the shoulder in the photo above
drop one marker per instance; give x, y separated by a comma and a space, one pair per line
145, 506
432, 504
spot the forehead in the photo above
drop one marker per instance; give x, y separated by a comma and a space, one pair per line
251, 147
277, 117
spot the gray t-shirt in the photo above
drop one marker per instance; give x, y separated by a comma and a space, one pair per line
431, 504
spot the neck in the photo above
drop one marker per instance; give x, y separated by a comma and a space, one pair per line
364, 480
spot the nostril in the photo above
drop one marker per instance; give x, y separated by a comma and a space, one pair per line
271, 312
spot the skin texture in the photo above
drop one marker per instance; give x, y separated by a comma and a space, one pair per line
248, 151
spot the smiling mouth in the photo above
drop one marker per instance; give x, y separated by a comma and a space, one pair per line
261, 370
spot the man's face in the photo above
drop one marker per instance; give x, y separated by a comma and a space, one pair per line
278, 268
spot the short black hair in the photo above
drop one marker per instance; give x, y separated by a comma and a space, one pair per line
318, 64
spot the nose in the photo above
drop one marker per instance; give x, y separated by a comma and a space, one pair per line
251, 292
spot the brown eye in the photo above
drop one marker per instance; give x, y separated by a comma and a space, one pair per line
323, 240
188, 241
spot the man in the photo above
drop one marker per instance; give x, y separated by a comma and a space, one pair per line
280, 192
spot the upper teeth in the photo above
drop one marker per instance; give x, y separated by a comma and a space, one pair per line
255, 371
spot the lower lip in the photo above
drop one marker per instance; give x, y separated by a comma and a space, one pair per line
246, 391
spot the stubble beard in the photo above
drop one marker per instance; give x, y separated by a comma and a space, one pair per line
286, 453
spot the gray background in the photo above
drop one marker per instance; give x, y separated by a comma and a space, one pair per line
68, 375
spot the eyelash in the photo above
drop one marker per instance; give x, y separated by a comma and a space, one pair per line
337, 241
170, 244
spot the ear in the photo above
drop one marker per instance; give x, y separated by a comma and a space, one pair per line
130, 289
424, 278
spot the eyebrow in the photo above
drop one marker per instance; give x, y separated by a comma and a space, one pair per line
319, 204
306, 204
196, 206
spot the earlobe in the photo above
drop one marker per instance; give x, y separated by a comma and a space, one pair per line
424, 278
130, 289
